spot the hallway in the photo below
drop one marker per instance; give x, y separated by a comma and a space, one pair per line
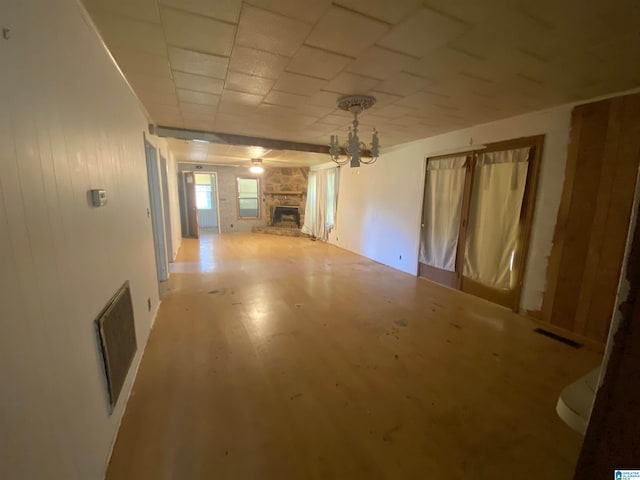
283, 358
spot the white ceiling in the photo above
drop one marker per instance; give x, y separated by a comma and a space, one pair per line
275, 68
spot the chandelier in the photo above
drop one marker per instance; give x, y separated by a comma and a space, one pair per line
353, 147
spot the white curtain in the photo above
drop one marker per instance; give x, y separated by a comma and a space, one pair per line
496, 202
443, 195
322, 203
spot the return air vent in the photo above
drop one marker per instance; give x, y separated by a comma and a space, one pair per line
117, 336
558, 338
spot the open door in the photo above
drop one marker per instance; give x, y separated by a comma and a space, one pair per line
156, 211
477, 216
192, 207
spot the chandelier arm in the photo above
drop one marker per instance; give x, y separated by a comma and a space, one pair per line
340, 162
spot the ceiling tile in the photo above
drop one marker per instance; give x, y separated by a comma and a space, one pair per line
383, 99
227, 10
190, 96
270, 32
198, 63
151, 83
298, 84
131, 61
247, 112
144, 10
390, 12
199, 83
165, 110
402, 84
350, 83
197, 33
422, 100
324, 99
131, 34
257, 62
345, 32
465, 10
424, 31
241, 98
317, 63
197, 109
442, 63
152, 98
338, 120
285, 99
306, 10
270, 110
167, 119
314, 110
241, 82
378, 62
392, 111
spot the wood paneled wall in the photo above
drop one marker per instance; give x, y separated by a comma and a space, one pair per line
69, 124
593, 219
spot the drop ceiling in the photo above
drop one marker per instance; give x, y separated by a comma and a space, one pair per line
275, 68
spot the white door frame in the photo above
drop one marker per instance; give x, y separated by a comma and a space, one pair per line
166, 207
155, 203
214, 175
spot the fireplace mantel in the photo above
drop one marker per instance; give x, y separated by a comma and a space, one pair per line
284, 193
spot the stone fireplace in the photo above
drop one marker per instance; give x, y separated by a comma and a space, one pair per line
285, 196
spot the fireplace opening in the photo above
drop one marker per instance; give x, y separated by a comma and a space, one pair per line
286, 216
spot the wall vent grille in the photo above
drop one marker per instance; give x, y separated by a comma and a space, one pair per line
117, 336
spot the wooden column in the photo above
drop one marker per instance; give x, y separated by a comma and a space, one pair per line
593, 219
612, 440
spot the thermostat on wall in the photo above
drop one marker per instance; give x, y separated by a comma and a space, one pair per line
99, 197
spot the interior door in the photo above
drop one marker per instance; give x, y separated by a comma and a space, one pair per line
442, 219
156, 211
476, 219
192, 207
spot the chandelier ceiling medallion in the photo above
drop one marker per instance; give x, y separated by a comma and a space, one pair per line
353, 147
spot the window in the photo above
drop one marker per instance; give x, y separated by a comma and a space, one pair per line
203, 197
203, 191
248, 201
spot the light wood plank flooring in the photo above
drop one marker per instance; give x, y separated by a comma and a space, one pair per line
283, 358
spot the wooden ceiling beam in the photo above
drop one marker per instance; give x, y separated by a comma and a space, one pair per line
242, 140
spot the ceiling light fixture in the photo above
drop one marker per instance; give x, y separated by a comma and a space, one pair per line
353, 147
256, 166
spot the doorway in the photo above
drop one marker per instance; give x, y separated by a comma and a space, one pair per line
156, 211
476, 218
206, 190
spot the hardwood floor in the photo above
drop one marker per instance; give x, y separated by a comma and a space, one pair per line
283, 358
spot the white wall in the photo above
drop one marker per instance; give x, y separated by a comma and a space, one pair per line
69, 123
380, 205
